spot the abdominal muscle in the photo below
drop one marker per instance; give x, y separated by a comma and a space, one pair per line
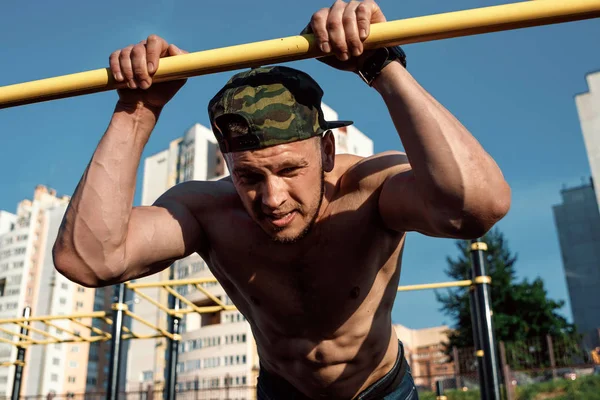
339, 367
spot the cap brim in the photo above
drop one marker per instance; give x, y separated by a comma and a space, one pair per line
337, 124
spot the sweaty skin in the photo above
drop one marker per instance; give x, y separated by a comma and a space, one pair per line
306, 243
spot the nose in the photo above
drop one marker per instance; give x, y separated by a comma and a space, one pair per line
273, 193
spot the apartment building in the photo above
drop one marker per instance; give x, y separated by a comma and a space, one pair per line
28, 278
424, 349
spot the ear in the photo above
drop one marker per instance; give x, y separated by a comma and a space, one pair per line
328, 151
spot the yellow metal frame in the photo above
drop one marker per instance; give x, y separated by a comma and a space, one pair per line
411, 30
95, 334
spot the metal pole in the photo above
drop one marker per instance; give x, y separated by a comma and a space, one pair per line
456, 367
476, 334
508, 387
489, 361
172, 345
439, 391
118, 308
551, 355
16, 389
405, 31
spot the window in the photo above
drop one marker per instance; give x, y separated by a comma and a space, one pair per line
2, 286
54, 377
80, 289
75, 349
71, 379
73, 364
62, 301
147, 375
79, 305
56, 361
64, 285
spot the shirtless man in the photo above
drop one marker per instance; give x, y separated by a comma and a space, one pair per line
306, 243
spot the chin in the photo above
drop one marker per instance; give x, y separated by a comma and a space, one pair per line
289, 236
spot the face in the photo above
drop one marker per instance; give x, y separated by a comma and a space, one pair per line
282, 186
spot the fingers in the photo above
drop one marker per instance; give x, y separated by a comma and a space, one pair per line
139, 64
173, 50
318, 25
155, 48
136, 64
344, 27
125, 66
335, 30
351, 29
363, 19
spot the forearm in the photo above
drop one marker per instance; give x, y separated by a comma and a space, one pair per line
450, 167
94, 229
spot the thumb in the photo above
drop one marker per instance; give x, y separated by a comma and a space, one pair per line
176, 51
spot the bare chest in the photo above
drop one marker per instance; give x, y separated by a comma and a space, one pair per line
342, 265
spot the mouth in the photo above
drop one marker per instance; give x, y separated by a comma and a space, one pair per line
281, 220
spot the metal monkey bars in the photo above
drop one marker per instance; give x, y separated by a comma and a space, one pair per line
405, 31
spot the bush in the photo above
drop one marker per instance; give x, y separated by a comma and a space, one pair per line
585, 387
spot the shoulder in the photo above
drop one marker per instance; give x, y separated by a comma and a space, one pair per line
199, 196
369, 173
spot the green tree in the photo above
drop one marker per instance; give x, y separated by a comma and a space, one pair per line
521, 309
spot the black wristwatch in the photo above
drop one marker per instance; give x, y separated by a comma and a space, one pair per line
379, 60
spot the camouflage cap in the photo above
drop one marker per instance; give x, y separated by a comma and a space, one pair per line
275, 105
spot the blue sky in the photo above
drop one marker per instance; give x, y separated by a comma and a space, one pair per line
513, 90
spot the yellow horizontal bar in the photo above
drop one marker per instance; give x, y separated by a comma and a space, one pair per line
174, 282
412, 30
68, 340
150, 324
8, 341
18, 334
181, 298
439, 285
11, 363
69, 331
95, 314
150, 300
209, 295
90, 327
142, 336
41, 332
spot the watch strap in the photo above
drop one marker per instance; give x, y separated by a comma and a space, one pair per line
379, 60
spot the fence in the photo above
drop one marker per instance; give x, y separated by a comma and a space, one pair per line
521, 363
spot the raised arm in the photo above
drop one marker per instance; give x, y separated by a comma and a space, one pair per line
446, 185
103, 239
453, 187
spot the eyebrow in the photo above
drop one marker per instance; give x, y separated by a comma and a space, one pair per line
284, 164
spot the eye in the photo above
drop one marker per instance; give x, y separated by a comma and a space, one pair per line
250, 178
289, 171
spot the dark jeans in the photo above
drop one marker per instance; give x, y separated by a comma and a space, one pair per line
397, 384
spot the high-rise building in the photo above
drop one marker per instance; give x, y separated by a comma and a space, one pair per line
578, 224
218, 349
588, 109
28, 278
